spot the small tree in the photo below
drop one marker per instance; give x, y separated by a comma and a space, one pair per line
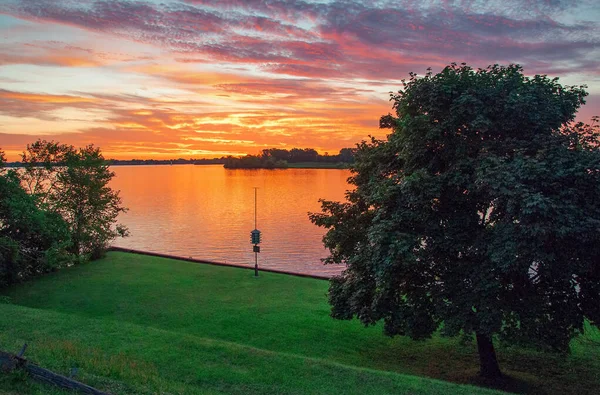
87, 202
75, 184
480, 211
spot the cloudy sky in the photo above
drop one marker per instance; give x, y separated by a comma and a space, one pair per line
205, 78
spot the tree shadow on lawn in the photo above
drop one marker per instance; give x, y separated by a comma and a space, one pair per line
508, 383
525, 370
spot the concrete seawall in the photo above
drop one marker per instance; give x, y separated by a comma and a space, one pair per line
207, 262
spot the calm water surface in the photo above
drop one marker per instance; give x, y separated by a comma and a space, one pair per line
207, 212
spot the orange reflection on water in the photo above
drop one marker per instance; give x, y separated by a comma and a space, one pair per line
207, 212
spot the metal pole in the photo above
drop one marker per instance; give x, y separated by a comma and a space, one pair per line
255, 253
255, 264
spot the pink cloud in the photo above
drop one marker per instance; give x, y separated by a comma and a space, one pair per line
230, 31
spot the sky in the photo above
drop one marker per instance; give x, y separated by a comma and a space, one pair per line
206, 78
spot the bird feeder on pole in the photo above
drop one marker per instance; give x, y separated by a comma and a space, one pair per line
255, 238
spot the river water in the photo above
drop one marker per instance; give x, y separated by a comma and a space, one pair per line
207, 212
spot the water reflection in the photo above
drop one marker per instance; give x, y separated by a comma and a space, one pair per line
207, 212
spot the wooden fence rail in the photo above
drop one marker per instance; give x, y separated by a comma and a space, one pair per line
10, 362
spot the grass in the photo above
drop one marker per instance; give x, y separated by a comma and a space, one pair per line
139, 324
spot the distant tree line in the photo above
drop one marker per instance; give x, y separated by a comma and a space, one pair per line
148, 162
56, 210
276, 158
179, 161
269, 158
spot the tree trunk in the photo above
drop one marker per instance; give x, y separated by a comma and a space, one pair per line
487, 358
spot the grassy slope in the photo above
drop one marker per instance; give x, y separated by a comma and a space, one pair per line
165, 325
141, 359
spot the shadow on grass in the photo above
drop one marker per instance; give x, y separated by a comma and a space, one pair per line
525, 370
507, 383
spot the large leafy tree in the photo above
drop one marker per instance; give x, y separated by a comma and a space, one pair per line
75, 183
479, 215
32, 241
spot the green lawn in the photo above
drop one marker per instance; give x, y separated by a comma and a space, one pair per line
139, 324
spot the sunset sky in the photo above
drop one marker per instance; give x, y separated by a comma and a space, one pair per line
207, 78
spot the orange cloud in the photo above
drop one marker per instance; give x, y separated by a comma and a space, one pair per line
166, 132
44, 98
49, 59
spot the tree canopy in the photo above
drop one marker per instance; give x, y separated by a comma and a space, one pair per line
277, 158
75, 184
32, 240
479, 214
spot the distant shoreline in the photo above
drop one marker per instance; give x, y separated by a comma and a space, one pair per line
319, 165
270, 158
301, 165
